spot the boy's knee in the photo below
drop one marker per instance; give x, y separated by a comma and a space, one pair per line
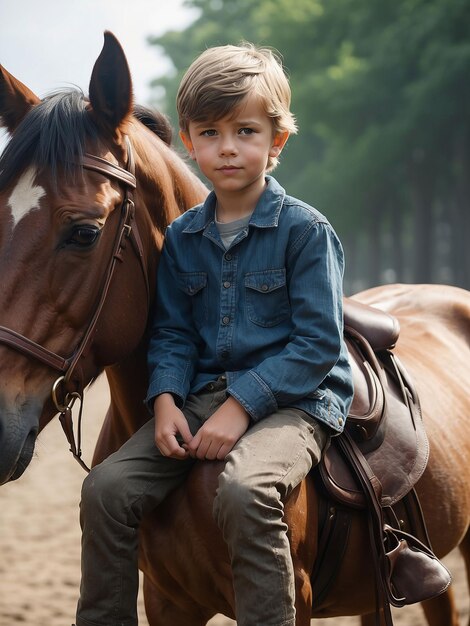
101, 490
234, 499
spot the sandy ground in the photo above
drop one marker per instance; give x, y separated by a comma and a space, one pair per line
40, 537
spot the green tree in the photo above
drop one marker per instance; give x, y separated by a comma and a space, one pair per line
381, 93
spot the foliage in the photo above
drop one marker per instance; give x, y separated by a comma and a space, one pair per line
381, 94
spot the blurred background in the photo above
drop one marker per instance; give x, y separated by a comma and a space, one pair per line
380, 91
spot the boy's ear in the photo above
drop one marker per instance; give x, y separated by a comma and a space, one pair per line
188, 144
278, 144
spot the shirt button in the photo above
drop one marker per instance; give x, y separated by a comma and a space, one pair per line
340, 421
228, 256
225, 320
226, 284
264, 287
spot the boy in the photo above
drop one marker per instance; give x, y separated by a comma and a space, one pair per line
247, 361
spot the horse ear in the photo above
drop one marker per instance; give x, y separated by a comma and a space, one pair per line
15, 100
110, 88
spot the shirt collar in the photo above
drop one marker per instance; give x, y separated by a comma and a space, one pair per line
265, 215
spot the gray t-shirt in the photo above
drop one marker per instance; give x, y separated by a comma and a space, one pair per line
229, 230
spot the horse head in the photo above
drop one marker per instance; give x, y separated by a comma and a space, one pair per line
87, 187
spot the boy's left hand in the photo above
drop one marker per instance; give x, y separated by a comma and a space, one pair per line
220, 433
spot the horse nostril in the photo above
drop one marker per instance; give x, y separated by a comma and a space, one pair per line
30, 442
25, 455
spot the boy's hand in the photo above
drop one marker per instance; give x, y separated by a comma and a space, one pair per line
220, 433
169, 422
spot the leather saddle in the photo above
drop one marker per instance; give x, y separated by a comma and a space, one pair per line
387, 430
385, 417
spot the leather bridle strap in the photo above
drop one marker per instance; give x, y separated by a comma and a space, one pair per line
102, 166
66, 390
91, 162
125, 228
30, 348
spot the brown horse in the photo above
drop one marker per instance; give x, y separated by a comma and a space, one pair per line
79, 248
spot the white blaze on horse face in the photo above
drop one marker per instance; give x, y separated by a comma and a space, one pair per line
26, 196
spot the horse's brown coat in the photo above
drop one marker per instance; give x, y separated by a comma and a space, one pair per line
187, 573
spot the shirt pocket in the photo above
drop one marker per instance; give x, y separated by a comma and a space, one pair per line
194, 285
267, 300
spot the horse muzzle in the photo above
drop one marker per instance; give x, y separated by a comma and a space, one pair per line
18, 432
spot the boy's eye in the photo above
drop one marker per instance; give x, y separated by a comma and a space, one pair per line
245, 131
209, 132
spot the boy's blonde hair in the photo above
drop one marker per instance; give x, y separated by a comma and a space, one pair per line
217, 82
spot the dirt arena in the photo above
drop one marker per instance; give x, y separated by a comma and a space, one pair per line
40, 537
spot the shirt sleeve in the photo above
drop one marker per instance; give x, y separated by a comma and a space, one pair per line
315, 266
173, 346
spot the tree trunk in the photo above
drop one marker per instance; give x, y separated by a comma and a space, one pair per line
374, 256
460, 214
422, 194
397, 252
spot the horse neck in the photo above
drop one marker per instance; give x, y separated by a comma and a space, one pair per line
167, 184
166, 188
127, 383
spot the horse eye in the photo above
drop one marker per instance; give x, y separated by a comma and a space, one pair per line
84, 236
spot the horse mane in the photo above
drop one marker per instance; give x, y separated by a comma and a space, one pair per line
53, 133
59, 130
155, 121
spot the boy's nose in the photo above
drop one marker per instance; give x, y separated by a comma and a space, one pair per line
227, 147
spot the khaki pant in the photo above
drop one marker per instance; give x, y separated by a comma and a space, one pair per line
271, 458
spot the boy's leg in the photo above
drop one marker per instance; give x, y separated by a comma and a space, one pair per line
115, 496
262, 469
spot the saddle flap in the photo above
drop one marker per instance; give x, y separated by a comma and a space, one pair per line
398, 450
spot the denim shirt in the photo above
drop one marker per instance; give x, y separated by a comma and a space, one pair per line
266, 312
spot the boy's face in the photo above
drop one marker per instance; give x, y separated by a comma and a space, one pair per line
233, 152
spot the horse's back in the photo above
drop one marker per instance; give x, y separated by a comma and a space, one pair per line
434, 346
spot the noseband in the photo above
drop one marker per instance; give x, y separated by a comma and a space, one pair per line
69, 386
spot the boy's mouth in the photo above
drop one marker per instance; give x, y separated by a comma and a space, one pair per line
228, 168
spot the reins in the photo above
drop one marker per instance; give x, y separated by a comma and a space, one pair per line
69, 387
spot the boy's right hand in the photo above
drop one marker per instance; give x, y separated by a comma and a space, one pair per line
169, 422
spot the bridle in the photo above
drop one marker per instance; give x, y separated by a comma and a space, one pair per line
69, 387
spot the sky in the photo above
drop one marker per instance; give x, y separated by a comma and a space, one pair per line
51, 44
